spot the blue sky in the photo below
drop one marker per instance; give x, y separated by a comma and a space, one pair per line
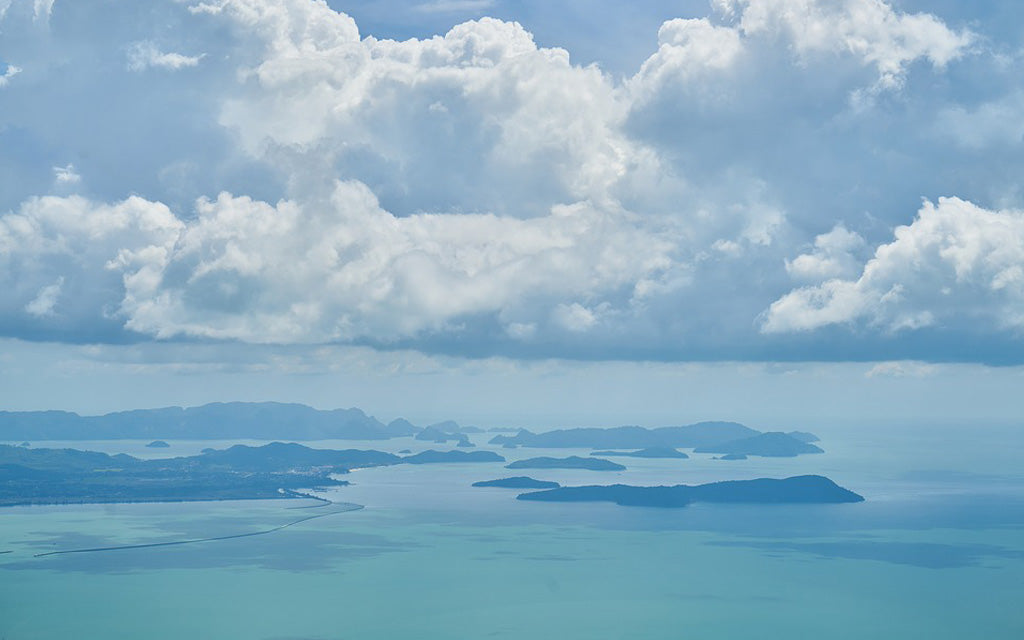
228, 190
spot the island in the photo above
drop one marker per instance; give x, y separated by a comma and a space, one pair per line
808, 489
59, 476
401, 427
630, 437
440, 434
430, 456
158, 444
275, 470
284, 456
432, 434
572, 462
215, 421
649, 452
703, 437
518, 482
771, 444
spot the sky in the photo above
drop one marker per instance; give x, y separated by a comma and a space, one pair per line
582, 212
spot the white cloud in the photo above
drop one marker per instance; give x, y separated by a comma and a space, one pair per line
957, 264
477, 183
66, 175
872, 30
71, 241
514, 128
687, 48
44, 302
869, 30
836, 255
43, 9
9, 73
343, 268
144, 55
574, 317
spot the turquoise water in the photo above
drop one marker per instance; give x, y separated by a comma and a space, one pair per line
936, 551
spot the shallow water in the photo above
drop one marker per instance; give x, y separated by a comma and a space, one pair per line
936, 551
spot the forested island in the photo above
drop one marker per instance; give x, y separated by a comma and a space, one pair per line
275, 470
276, 421
798, 489
649, 452
215, 421
428, 457
572, 462
703, 437
279, 470
771, 444
282, 470
518, 482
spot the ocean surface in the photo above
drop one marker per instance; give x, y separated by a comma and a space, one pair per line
936, 551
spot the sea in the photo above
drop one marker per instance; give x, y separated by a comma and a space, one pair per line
935, 552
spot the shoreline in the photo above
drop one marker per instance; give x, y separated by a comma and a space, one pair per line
282, 494
61, 503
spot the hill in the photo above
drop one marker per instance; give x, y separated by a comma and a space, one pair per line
798, 489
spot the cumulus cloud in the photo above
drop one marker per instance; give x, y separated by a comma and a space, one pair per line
43, 9
66, 175
574, 317
144, 55
836, 255
516, 127
872, 30
62, 250
343, 268
955, 265
337, 269
8, 73
45, 300
477, 184
687, 48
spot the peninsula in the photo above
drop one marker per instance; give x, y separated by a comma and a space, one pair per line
275, 470
649, 452
518, 482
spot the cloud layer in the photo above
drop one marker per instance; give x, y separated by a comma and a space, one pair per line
476, 192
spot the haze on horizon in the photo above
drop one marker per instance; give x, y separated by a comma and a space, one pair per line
555, 213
